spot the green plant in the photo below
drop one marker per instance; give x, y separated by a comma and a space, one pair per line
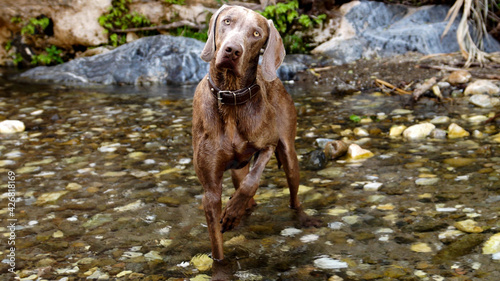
190, 32
176, 2
292, 26
52, 55
120, 18
35, 25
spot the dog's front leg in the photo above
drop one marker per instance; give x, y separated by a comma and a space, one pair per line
236, 207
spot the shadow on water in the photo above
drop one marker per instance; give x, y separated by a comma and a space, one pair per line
105, 189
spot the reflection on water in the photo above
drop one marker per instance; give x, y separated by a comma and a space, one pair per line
105, 189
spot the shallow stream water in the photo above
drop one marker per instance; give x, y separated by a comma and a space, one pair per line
105, 189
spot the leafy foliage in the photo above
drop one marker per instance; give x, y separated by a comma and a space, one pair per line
292, 26
119, 17
52, 55
191, 33
176, 2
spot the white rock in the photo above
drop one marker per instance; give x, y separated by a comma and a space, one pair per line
418, 131
372, 186
482, 87
492, 246
309, 238
11, 126
356, 152
361, 132
440, 120
329, 263
484, 101
290, 232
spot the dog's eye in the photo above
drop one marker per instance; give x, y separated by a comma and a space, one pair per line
227, 21
256, 34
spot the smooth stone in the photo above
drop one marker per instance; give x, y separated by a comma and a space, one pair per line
418, 131
97, 220
469, 226
427, 181
28, 169
440, 120
4, 163
11, 126
484, 101
153, 255
73, 186
401, 111
315, 160
438, 134
459, 77
337, 211
482, 87
332, 172
321, 142
492, 245
477, 119
290, 232
351, 220
329, 263
361, 132
496, 138
130, 207
459, 161
421, 248
372, 186
50, 197
455, 131
335, 149
355, 152
309, 238
114, 174
397, 130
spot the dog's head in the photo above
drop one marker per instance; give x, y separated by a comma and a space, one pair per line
235, 37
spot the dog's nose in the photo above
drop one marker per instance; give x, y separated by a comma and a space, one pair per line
233, 51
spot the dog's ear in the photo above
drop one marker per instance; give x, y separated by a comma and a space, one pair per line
274, 53
209, 50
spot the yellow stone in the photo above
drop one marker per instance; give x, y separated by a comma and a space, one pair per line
469, 226
492, 246
202, 262
421, 248
455, 131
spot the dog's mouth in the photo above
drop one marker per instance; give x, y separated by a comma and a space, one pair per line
227, 63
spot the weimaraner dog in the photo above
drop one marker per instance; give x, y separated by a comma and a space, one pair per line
242, 111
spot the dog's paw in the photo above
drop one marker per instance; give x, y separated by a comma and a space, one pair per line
231, 216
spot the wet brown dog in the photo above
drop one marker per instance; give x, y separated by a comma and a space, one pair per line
241, 111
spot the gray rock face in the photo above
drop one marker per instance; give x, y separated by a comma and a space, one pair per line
371, 29
151, 60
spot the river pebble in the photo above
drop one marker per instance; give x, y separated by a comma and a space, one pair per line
355, 152
329, 263
459, 77
492, 245
418, 131
482, 87
485, 101
11, 126
455, 131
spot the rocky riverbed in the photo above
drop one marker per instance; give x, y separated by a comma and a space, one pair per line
104, 187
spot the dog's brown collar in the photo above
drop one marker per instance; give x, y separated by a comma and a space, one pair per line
237, 97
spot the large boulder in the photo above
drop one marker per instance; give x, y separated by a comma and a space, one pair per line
157, 59
369, 29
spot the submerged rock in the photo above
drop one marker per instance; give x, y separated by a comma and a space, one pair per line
11, 126
418, 131
355, 152
455, 131
482, 87
492, 246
